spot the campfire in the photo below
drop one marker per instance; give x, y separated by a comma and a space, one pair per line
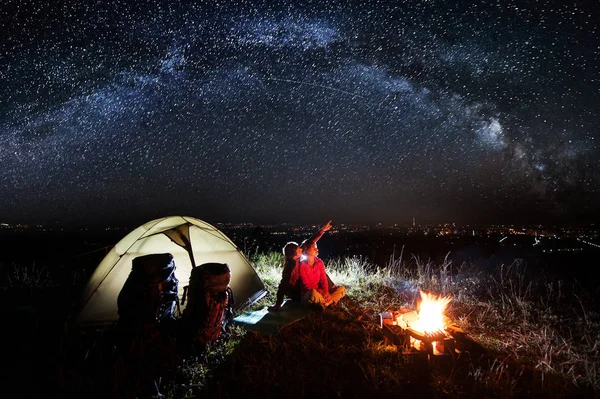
426, 330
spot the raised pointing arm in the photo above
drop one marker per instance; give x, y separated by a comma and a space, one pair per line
315, 237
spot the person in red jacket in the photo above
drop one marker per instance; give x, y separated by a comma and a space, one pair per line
314, 285
288, 286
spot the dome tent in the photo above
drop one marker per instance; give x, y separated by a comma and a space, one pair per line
189, 240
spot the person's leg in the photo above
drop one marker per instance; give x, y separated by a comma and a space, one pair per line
313, 297
338, 293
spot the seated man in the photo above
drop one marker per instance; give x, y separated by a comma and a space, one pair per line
314, 286
288, 286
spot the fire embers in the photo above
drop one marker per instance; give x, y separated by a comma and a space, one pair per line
427, 330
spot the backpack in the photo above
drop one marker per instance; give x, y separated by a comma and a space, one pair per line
209, 302
149, 295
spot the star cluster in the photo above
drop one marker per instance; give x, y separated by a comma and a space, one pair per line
300, 111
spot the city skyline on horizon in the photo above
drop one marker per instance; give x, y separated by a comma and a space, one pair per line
336, 225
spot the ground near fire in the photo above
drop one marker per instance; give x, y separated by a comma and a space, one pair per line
529, 335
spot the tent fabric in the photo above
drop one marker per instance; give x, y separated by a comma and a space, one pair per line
184, 237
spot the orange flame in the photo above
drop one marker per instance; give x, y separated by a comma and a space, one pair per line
431, 313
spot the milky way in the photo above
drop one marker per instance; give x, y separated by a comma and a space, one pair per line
268, 112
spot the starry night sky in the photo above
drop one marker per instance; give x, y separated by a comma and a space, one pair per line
263, 112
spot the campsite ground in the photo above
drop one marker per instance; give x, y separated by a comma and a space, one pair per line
337, 353
538, 337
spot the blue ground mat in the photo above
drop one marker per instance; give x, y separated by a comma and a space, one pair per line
268, 323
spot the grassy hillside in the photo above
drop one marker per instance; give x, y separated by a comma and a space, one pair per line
538, 337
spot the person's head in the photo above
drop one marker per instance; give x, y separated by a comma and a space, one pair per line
309, 248
292, 250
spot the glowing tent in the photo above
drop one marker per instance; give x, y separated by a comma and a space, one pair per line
189, 240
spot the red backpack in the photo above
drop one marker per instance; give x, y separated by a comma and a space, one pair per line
209, 302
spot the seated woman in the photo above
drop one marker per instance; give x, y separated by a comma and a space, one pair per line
314, 285
288, 286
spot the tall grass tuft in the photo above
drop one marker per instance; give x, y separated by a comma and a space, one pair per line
31, 276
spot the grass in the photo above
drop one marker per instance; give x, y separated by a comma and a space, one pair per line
540, 338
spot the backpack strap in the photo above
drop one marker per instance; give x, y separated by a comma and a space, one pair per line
178, 306
229, 313
185, 291
231, 297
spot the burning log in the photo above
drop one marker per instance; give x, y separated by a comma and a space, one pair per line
427, 330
